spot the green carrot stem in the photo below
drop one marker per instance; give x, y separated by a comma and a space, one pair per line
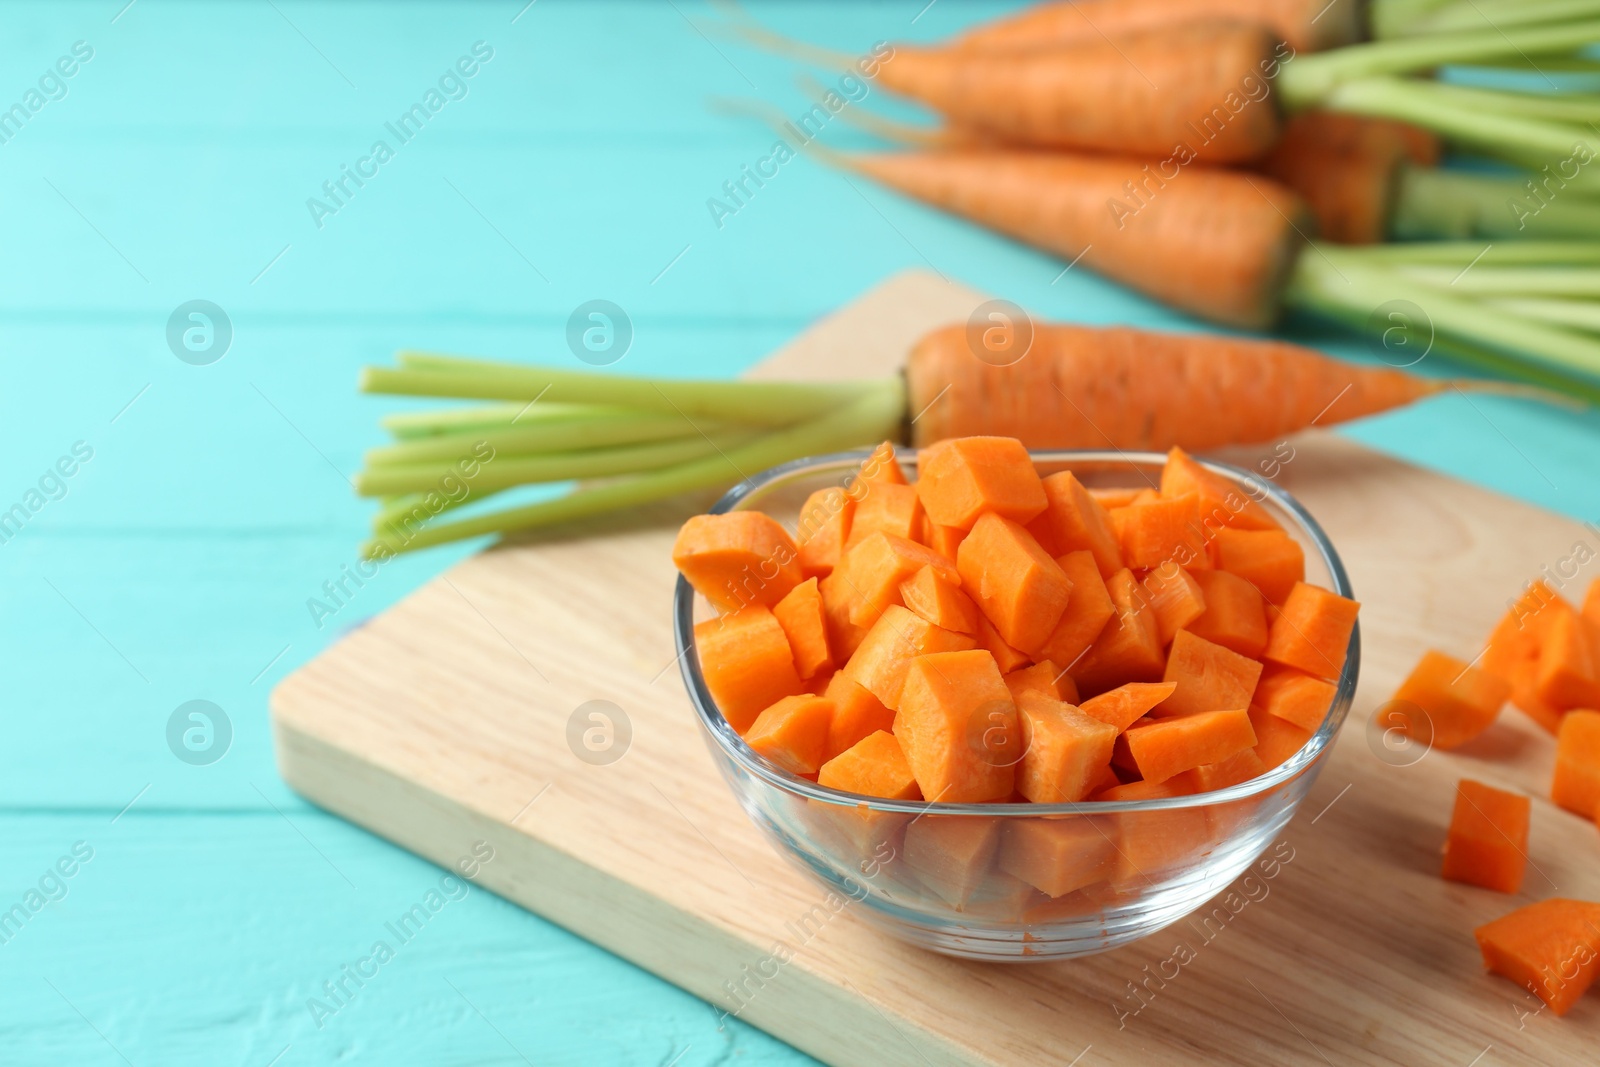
564, 436
446, 420
1575, 314
1459, 15
418, 509
1578, 109
1432, 203
1394, 18
874, 416
1511, 281
1477, 253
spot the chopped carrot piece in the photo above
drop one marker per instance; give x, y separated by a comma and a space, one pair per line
1576, 785
1240, 767
1294, 696
951, 854
1551, 948
747, 664
1235, 615
880, 468
1112, 498
1080, 522
793, 733
805, 624
1126, 704
873, 766
958, 726
1159, 531
824, 528
1057, 856
1149, 842
1176, 598
1043, 677
1063, 750
1222, 503
876, 566
1129, 649
960, 478
1566, 675
1591, 602
737, 558
885, 508
1445, 703
1105, 778
1208, 676
844, 636
1017, 586
1177, 786
932, 594
1512, 651
1270, 560
886, 653
1276, 739
1044, 532
1488, 840
1089, 608
1171, 746
1313, 633
1006, 658
945, 540
856, 714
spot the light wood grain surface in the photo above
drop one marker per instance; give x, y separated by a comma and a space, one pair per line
444, 721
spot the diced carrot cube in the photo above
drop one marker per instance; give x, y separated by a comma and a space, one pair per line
1591, 602
747, 664
1171, 746
1235, 615
1044, 532
1240, 767
856, 714
824, 528
1566, 676
1177, 786
1129, 649
1513, 645
844, 636
945, 540
881, 468
1089, 608
951, 854
873, 766
1105, 778
1222, 503
1043, 677
1006, 658
1017, 586
1127, 704
1176, 598
1576, 785
1270, 560
1445, 703
1149, 842
1276, 739
1080, 522
1057, 856
885, 508
793, 733
932, 594
1294, 696
1063, 750
958, 726
960, 478
876, 566
1313, 632
805, 624
737, 558
1551, 948
886, 653
1208, 677
1160, 531
1488, 840
1114, 497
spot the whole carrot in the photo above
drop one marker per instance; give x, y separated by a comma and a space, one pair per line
1307, 25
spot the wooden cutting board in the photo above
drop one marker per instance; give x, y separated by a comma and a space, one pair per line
446, 720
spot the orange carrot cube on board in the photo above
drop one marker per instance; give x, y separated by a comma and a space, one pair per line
1313, 633
1016, 584
1235, 616
885, 508
1591, 602
1169, 747
1080, 522
1270, 560
1176, 598
1551, 949
880, 468
737, 558
1006, 658
1126, 704
856, 714
960, 478
1160, 531
1057, 856
1222, 503
793, 733
1240, 767
1208, 677
1088, 610
1488, 840
932, 594
1129, 649
747, 664
876, 566
1512, 651
1295, 696
824, 528
951, 854
958, 726
886, 653
873, 766
1276, 739
844, 636
1043, 677
1062, 750
805, 624
1445, 703
1566, 675
1576, 785
945, 540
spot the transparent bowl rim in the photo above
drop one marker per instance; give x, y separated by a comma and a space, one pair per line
734, 747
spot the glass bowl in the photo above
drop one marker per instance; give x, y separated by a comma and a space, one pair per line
940, 875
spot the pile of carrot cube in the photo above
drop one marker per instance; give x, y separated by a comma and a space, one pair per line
988, 634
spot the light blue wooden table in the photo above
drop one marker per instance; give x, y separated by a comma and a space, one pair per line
174, 564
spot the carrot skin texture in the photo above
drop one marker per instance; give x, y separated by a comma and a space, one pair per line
1306, 25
